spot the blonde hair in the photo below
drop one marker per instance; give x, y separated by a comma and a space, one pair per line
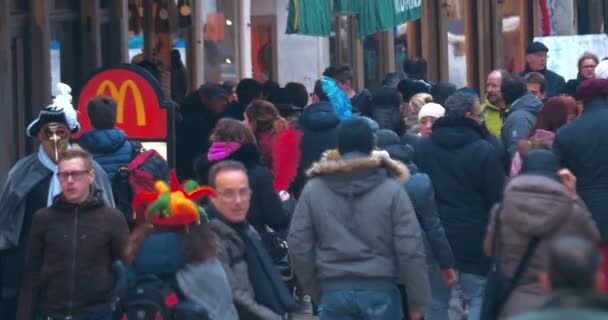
417, 101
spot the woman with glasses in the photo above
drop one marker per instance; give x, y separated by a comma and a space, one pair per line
586, 70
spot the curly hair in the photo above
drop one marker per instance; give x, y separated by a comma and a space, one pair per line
231, 130
263, 116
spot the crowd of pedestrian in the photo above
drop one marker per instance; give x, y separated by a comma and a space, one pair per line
414, 200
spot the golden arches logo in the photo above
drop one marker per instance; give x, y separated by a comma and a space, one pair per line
119, 94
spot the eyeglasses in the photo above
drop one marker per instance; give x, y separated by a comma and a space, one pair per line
231, 195
65, 176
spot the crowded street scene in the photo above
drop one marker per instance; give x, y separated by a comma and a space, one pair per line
304, 160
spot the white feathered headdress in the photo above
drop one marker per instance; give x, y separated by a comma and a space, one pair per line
61, 110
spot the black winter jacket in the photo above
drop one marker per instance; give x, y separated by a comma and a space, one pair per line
420, 190
468, 178
582, 147
319, 126
266, 207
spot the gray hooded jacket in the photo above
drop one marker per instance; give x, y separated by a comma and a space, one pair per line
355, 221
520, 120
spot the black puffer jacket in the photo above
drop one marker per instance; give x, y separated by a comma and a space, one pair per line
468, 179
582, 147
265, 208
319, 126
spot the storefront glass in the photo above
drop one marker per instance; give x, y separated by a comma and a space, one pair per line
401, 45
342, 46
65, 52
457, 43
219, 19
371, 60
513, 51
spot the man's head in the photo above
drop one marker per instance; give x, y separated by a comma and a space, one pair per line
463, 105
343, 75
536, 56
535, 82
493, 84
415, 68
230, 87
441, 91
102, 112
229, 179
76, 174
214, 97
318, 93
513, 88
248, 90
297, 94
573, 264
392, 79
356, 135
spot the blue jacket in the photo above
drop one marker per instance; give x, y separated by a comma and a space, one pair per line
109, 147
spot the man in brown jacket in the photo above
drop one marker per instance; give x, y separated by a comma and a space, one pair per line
72, 244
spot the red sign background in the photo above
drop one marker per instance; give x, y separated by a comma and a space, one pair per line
139, 113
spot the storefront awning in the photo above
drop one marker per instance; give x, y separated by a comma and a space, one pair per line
313, 17
309, 17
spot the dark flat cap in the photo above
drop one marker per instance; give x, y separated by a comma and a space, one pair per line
536, 47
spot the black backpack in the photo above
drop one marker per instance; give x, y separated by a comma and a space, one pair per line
156, 298
145, 168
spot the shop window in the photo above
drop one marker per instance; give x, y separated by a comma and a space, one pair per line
371, 60
513, 36
64, 4
262, 51
457, 42
342, 40
220, 35
65, 53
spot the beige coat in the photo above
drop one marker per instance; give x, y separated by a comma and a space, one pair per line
535, 206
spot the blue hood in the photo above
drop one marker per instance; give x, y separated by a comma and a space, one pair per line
319, 117
159, 254
103, 141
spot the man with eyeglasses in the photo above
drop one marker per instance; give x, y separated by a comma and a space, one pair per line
72, 245
536, 61
259, 293
32, 184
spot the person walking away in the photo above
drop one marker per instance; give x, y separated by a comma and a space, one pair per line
263, 119
386, 110
419, 188
571, 280
468, 179
523, 111
582, 147
178, 250
200, 111
108, 145
257, 289
556, 112
538, 205
355, 235
536, 61
319, 126
72, 245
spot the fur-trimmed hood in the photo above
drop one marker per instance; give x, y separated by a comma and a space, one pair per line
355, 173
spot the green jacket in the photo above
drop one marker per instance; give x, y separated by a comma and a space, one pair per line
492, 117
570, 304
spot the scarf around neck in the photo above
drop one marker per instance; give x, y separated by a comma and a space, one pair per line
55, 186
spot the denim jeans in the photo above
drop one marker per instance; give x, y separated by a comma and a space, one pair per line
361, 305
472, 287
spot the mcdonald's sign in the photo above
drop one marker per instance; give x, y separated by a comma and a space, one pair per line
138, 98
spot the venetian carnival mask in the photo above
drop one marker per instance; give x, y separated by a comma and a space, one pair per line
54, 137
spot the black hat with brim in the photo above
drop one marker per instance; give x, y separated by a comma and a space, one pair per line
48, 115
536, 47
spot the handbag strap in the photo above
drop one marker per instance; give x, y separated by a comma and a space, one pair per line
521, 267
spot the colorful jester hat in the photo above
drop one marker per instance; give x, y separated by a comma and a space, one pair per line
173, 205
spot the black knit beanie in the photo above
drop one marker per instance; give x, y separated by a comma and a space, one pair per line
102, 112
355, 135
541, 162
